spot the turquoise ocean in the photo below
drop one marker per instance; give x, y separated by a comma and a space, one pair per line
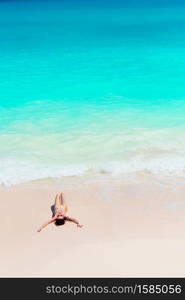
91, 86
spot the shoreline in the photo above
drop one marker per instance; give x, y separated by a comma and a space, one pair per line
137, 177
133, 229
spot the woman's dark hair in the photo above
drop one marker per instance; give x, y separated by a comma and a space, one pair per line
59, 222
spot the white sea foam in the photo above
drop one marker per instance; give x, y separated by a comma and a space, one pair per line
16, 171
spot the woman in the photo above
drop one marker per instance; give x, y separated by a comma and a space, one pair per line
59, 214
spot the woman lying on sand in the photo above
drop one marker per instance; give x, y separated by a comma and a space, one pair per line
59, 214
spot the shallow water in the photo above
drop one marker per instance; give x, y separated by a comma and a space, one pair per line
91, 87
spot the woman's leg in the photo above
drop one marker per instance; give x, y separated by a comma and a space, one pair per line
61, 199
57, 202
62, 202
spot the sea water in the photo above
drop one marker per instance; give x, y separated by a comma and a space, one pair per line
91, 86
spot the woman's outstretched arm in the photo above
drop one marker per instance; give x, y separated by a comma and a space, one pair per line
46, 223
74, 221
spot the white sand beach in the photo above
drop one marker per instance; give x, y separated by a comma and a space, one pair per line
129, 231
